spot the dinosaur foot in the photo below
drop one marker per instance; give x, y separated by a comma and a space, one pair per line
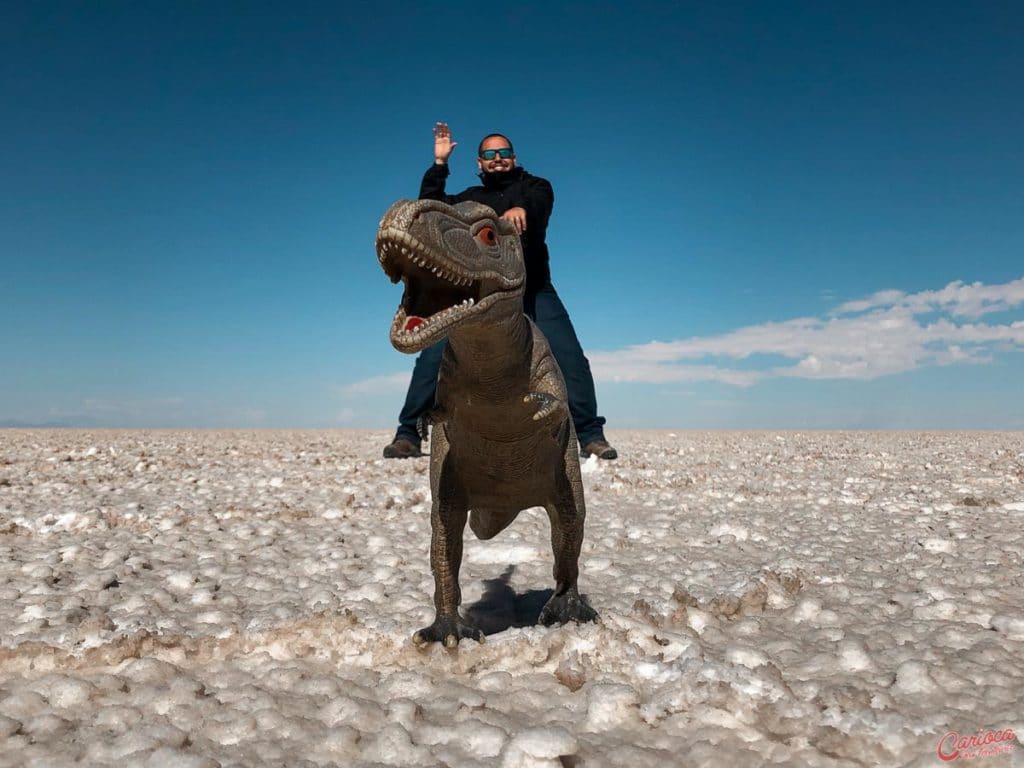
566, 607
447, 631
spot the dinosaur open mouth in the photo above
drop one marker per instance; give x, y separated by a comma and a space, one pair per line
438, 292
428, 294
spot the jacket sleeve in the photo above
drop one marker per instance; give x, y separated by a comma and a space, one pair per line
538, 198
432, 186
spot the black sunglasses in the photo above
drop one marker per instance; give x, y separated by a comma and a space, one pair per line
489, 154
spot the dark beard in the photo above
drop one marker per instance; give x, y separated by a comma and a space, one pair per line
500, 178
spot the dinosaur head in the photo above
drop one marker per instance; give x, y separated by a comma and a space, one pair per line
459, 264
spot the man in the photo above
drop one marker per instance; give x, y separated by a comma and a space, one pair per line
526, 201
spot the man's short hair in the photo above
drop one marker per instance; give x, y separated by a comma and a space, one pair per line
480, 147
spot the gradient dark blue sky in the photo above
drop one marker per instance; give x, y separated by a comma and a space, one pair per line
189, 193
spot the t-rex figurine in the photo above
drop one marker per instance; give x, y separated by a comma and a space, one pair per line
503, 440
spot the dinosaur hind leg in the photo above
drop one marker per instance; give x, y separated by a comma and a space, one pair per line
447, 522
566, 514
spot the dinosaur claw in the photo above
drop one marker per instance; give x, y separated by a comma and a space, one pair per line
448, 632
432, 418
561, 609
547, 405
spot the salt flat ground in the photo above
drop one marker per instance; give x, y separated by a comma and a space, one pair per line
198, 598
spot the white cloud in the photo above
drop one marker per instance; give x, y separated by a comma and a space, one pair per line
957, 299
865, 339
392, 382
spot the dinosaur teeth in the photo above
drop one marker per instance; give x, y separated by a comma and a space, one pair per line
426, 323
401, 246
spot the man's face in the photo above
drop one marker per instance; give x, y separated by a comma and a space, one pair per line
498, 163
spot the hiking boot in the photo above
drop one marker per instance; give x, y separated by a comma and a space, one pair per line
402, 448
599, 448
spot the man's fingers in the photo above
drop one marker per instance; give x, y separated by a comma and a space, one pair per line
518, 218
443, 144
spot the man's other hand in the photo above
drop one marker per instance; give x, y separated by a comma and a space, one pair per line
517, 216
443, 144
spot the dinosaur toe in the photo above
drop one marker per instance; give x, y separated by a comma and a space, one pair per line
561, 609
448, 632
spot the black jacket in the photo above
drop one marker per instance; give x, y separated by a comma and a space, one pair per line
501, 191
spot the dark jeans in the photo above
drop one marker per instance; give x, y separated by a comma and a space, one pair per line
548, 312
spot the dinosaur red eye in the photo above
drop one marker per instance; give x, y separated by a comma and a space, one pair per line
487, 236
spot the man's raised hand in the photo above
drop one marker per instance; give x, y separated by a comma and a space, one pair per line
443, 144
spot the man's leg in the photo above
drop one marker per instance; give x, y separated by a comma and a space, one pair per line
418, 400
550, 315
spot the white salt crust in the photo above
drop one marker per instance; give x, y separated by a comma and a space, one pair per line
247, 599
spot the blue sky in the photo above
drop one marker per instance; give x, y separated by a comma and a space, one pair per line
796, 215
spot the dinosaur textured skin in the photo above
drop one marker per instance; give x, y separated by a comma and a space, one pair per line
502, 438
